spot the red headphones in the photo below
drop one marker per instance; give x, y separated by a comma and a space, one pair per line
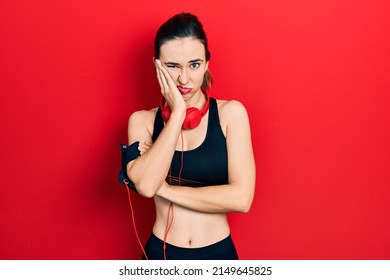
193, 115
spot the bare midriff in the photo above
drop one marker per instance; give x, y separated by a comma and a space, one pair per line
190, 229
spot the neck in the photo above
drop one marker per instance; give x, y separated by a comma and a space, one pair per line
198, 100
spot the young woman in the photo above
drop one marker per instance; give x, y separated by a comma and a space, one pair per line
195, 152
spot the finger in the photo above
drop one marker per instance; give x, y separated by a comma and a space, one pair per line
167, 77
141, 150
164, 79
145, 145
147, 142
164, 82
145, 148
159, 78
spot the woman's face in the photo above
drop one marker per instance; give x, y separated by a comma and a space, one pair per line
185, 60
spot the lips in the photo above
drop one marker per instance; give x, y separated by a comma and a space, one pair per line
184, 90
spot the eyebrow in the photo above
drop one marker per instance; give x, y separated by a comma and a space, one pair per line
191, 61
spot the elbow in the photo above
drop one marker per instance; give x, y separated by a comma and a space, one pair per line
246, 197
141, 186
144, 186
147, 195
244, 204
144, 191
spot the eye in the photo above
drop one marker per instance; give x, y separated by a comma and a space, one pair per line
195, 65
172, 66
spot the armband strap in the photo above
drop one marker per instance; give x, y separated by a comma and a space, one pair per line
129, 153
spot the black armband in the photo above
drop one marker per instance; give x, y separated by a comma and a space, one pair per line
129, 153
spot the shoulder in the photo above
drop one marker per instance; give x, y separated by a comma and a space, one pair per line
143, 115
231, 113
142, 119
231, 105
229, 109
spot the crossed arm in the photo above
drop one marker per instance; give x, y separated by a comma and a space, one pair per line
236, 196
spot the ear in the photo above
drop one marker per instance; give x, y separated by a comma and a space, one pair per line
207, 66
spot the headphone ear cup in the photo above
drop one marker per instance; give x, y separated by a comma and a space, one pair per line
166, 113
193, 118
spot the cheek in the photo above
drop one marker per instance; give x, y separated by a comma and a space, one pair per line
198, 76
174, 73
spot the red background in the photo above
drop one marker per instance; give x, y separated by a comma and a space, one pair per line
313, 75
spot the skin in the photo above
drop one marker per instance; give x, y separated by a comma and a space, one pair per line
200, 214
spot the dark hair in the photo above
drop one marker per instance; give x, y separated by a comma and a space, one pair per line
180, 26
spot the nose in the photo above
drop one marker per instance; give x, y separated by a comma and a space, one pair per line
183, 77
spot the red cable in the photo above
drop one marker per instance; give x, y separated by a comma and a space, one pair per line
167, 229
170, 208
132, 216
182, 156
168, 226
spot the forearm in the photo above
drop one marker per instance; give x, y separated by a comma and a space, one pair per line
149, 171
211, 199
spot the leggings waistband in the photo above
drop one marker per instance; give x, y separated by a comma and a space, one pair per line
221, 250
